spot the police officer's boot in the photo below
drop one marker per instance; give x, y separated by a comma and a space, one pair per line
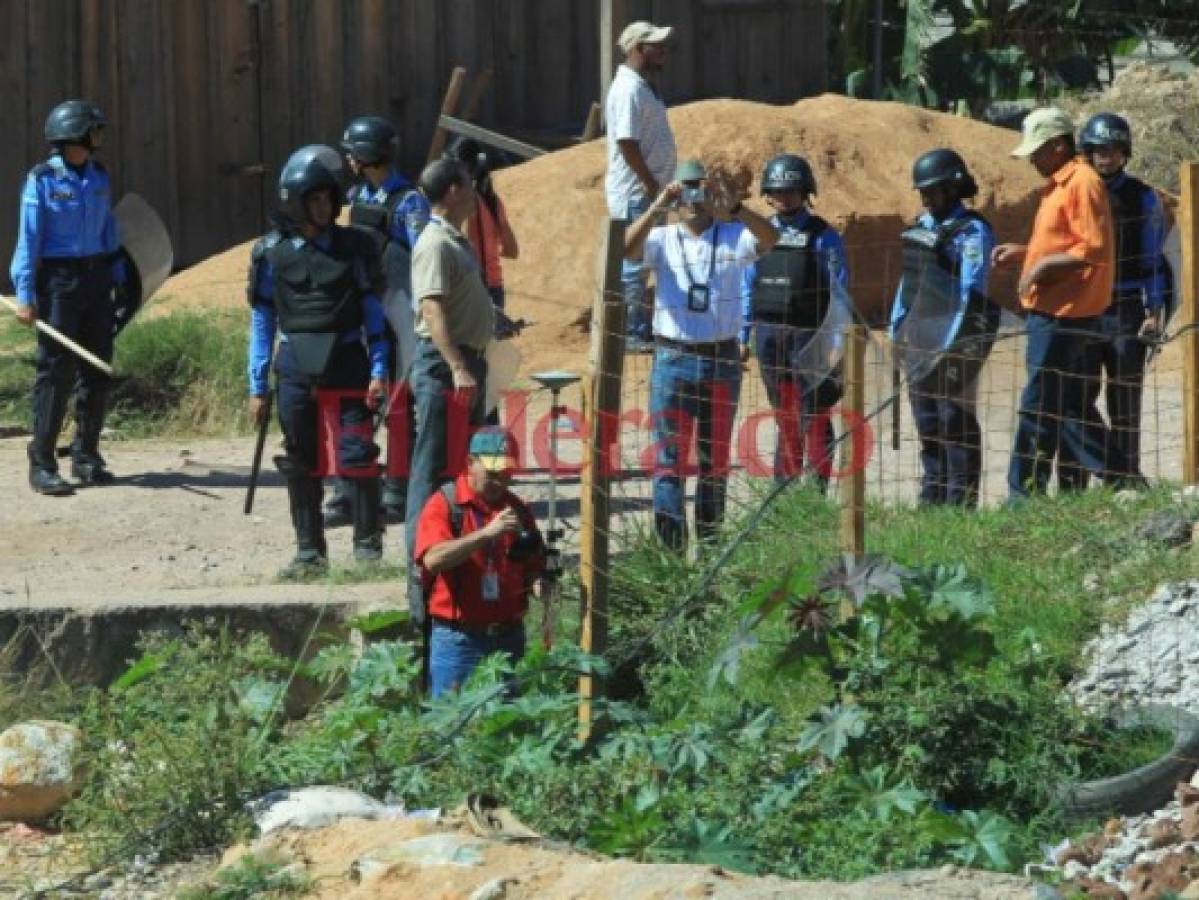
87, 464
394, 504
368, 534
304, 497
49, 409
337, 508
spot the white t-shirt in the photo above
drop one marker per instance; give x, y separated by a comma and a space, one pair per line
634, 112
680, 260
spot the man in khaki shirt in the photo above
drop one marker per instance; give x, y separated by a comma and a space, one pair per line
454, 324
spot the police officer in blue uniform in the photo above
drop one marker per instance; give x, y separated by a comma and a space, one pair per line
787, 296
1140, 300
318, 284
65, 269
387, 206
948, 252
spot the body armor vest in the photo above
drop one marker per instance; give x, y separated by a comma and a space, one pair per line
791, 285
1129, 218
316, 291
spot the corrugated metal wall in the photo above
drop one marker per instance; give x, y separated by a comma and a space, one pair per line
207, 97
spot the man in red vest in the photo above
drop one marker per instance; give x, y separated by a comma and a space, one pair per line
480, 556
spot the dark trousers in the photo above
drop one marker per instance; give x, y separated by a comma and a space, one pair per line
950, 437
1122, 359
1057, 408
804, 426
443, 426
75, 297
355, 448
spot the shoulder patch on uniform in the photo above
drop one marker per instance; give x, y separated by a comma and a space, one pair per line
972, 248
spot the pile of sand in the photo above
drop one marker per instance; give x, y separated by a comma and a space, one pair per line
1162, 106
862, 154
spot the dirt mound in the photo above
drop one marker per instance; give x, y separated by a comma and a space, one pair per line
1162, 106
359, 859
862, 154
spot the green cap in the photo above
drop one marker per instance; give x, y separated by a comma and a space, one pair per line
690, 170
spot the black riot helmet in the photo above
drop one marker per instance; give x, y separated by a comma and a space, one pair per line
944, 166
371, 140
72, 121
311, 168
1104, 130
788, 172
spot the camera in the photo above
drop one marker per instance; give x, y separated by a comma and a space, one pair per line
693, 194
527, 545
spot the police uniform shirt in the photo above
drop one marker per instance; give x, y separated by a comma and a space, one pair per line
64, 213
970, 252
411, 214
827, 245
264, 321
681, 260
1153, 239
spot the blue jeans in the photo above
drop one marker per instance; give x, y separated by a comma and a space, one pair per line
806, 428
453, 655
632, 281
692, 393
1057, 408
439, 447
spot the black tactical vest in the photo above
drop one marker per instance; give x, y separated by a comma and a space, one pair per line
1129, 220
791, 286
316, 291
930, 246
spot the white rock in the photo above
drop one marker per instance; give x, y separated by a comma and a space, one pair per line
316, 807
1074, 869
39, 769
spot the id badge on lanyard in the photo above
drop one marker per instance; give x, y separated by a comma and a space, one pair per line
491, 575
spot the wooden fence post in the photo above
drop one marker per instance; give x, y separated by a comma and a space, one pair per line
1188, 210
448, 104
601, 409
853, 475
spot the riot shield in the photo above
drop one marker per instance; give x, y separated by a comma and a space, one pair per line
503, 365
936, 323
146, 246
820, 356
397, 306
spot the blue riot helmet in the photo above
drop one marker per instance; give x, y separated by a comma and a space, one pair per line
371, 140
311, 168
1106, 129
72, 121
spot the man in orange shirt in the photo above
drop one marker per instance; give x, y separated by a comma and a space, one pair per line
1068, 266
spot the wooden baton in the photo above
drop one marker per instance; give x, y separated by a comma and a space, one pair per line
54, 334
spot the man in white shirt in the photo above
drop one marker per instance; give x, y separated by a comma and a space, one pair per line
698, 267
641, 153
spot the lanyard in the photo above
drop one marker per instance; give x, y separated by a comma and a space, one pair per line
678, 235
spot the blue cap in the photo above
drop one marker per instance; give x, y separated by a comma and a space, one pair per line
494, 448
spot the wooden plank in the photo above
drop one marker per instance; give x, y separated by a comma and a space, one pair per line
15, 160
449, 104
1188, 224
278, 122
466, 129
853, 476
592, 129
238, 116
601, 400
474, 97
613, 17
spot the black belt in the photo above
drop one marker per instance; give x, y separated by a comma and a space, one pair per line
495, 629
81, 263
464, 348
707, 348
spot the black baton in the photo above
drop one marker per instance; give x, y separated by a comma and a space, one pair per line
256, 466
